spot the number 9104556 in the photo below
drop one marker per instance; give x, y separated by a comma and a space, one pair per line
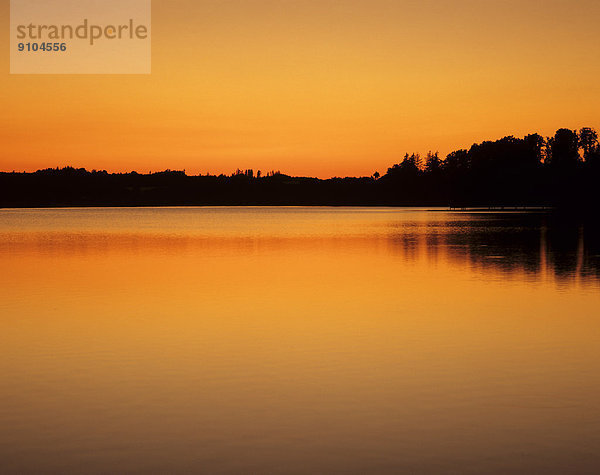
42, 47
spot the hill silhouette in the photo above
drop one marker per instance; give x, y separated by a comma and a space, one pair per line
559, 171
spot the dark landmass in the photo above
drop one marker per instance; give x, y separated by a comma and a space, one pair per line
560, 171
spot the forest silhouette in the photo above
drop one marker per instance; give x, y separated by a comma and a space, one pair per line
558, 171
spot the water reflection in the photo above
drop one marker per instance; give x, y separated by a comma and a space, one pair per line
297, 341
532, 245
521, 245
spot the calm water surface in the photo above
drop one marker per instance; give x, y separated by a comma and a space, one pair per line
296, 340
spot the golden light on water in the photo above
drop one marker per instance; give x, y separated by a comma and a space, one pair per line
391, 339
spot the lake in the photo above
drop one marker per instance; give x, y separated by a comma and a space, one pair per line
298, 340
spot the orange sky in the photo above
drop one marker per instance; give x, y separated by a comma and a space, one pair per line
313, 87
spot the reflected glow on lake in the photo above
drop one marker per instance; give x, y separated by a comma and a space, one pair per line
298, 340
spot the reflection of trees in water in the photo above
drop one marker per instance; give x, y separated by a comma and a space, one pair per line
573, 249
509, 243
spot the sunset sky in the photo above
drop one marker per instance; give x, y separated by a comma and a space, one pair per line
313, 87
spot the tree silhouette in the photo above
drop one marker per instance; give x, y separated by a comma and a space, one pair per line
564, 149
433, 164
588, 139
510, 171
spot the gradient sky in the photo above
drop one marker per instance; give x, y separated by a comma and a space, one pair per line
313, 87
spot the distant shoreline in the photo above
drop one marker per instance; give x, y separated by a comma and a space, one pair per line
433, 209
470, 209
519, 173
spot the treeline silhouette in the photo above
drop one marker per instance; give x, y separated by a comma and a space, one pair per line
560, 171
